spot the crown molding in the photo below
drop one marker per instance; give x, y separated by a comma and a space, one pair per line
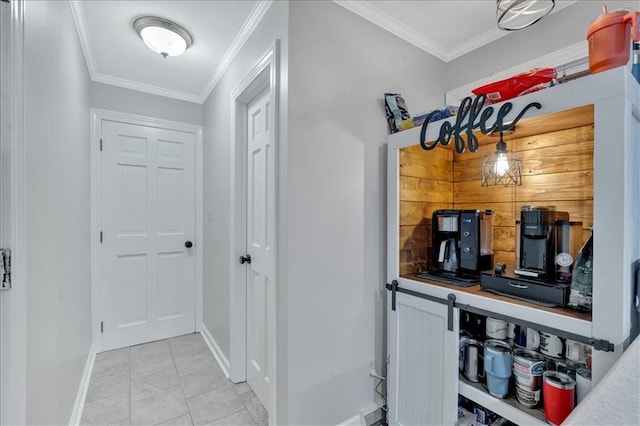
243, 35
147, 88
366, 10
491, 35
83, 34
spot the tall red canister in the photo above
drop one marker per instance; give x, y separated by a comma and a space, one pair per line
609, 38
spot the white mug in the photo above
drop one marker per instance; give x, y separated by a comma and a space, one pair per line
583, 383
496, 328
576, 351
551, 345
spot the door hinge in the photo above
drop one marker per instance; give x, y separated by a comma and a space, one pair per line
100, 237
5, 269
101, 327
100, 144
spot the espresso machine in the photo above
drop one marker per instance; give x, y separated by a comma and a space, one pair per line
461, 245
546, 244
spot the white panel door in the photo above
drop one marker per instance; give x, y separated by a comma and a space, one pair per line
148, 215
423, 363
260, 236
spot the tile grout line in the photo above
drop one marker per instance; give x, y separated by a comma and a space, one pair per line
180, 382
243, 404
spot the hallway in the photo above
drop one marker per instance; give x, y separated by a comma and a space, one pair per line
172, 382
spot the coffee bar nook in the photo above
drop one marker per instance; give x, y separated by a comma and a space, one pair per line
479, 302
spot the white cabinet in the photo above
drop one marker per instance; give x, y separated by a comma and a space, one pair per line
418, 334
422, 355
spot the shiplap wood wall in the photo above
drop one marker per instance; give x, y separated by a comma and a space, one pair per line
556, 151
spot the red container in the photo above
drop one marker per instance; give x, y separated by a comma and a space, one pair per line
609, 38
558, 393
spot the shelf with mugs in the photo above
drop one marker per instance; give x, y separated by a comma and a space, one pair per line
508, 407
503, 366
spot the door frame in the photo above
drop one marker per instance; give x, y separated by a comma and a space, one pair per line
13, 387
265, 74
98, 115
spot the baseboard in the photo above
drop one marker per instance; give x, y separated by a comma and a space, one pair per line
352, 421
215, 350
373, 414
76, 414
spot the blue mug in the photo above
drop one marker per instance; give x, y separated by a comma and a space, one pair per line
498, 362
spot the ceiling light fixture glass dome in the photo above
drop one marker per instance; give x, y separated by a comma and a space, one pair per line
163, 36
518, 14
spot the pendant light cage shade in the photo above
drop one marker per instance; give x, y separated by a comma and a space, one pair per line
163, 36
502, 168
515, 15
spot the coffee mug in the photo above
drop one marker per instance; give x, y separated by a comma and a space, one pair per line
551, 345
583, 383
526, 337
497, 366
558, 394
576, 351
496, 328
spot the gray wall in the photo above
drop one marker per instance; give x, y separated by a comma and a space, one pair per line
339, 67
57, 204
556, 31
120, 99
217, 134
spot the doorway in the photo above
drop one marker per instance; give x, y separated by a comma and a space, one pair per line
146, 216
253, 281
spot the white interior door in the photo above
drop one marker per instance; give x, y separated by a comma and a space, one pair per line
260, 238
148, 218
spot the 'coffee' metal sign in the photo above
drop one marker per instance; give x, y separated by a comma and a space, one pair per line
462, 132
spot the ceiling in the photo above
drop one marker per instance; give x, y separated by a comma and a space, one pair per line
116, 55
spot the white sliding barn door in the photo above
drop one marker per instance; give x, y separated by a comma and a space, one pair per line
148, 220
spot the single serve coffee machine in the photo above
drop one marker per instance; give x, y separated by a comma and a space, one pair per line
546, 243
461, 246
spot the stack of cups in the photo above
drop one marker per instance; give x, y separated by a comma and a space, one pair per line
528, 367
497, 366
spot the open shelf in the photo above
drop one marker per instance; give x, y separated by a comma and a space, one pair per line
509, 408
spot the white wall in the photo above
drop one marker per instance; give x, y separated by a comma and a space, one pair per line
556, 31
119, 99
340, 65
57, 204
217, 135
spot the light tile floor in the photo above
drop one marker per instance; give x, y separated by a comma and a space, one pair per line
169, 382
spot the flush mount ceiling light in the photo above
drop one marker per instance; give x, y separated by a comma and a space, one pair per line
502, 167
518, 14
163, 36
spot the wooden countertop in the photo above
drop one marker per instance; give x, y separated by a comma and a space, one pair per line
477, 291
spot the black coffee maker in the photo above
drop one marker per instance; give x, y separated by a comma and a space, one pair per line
546, 244
461, 243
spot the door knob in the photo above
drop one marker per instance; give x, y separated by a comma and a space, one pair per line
188, 244
245, 259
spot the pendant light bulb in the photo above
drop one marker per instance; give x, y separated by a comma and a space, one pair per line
502, 164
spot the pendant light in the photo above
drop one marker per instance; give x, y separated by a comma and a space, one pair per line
163, 36
518, 14
502, 167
